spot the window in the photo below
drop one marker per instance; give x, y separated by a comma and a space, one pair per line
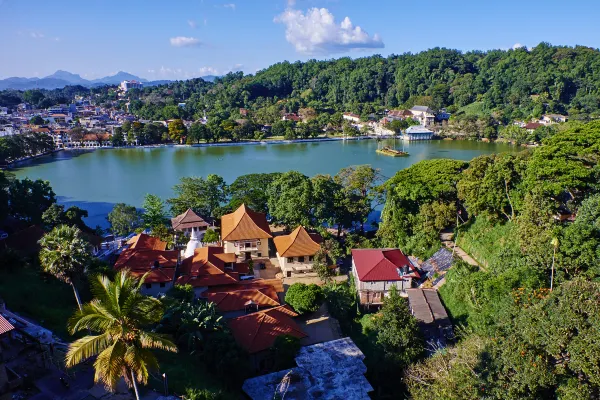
290, 259
259, 254
311, 258
162, 284
148, 286
301, 259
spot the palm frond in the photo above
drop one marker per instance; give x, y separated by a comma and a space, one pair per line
110, 365
86, 347
153, 340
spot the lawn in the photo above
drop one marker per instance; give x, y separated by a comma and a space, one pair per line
44, 299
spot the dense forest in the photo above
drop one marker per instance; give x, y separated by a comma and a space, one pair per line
504, 84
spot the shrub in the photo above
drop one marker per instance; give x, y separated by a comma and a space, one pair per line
304, 298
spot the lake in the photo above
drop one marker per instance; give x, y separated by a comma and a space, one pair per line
96, 180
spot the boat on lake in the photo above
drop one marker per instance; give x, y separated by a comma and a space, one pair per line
387, 151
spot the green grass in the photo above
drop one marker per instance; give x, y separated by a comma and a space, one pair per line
30, 293
476, 108
185, 371
490, 243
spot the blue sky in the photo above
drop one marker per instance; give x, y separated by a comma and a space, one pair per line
177, 39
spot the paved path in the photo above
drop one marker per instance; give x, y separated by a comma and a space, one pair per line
446, 238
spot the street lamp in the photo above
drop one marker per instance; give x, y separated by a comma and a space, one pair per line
165, 383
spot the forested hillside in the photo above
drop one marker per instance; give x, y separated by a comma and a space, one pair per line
511, 84
527, 320
505, 84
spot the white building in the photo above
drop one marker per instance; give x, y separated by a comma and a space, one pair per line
126, 85
246, 233
351, 117
423, 114
296, 251
417, 132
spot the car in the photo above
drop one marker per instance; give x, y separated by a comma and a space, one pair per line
246, 278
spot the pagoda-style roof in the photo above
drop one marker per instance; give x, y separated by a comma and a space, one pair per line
244, 224
298, 243
188, 220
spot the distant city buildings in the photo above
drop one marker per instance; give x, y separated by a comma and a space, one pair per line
126, 85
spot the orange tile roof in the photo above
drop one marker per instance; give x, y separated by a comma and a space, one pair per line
147, 242
5, 326
204, 268
257, 331
141, 261
94, 136
188, 219
236, 300
298, 243
244, 224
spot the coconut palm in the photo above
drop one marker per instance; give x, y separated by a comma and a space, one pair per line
65, 254
118, 313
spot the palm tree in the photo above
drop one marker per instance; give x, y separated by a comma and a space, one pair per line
118, 313
65, 254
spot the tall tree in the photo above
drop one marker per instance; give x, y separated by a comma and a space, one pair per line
252, 190
291, 200
177, 130
124, 219
120, 315
29, 199
154, 215
204, 196
65, 254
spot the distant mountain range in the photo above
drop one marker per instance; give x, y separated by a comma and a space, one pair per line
60, 79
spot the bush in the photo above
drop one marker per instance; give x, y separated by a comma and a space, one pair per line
284, 351
304, 298
204, 394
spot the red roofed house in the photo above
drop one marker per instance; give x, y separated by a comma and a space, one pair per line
147, 254
210, 266
297, 250
245, 233
532, 126
257, 332
245, 296
376, 271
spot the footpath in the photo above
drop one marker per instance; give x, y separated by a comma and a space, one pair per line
446, 238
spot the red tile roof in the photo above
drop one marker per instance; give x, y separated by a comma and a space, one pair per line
238, 298
141, 261
298, 243
244, 224
257, 331
381, 264
204, 268
188, 220
5, 326
146, 242
533, 125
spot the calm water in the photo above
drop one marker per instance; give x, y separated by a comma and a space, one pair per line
97, 180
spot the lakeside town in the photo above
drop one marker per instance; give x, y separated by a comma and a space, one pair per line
466, 268
84, 124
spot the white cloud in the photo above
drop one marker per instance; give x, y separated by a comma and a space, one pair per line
184, 41
208, 71
316, 32
517, 46
36, 35
230, 6
192, 23
236, 68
